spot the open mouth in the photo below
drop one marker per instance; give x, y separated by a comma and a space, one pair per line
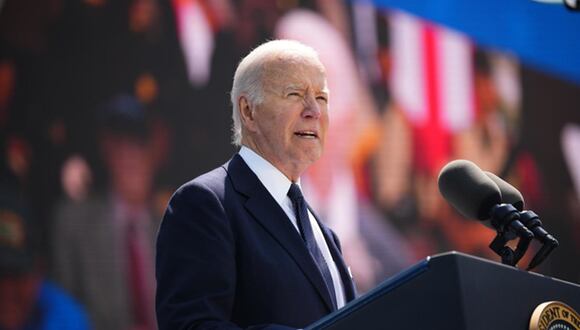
307, 134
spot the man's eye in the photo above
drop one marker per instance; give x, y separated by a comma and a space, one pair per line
322, 98
294, 94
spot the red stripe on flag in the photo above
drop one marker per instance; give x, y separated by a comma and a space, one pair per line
432, 140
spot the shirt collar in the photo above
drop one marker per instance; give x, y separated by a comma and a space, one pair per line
275, 181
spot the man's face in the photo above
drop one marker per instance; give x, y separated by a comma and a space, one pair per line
130, 165
289, 126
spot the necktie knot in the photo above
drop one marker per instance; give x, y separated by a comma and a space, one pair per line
295, 193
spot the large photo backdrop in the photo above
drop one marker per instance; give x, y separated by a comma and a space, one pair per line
105, 104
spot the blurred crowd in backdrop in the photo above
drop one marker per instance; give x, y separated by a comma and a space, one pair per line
106, 107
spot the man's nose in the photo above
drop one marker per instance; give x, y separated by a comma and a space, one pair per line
311, 107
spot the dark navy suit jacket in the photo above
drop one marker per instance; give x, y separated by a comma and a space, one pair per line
229, 257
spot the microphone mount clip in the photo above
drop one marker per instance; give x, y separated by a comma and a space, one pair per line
505, 219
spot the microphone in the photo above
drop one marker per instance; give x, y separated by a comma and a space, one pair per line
474, 195
509, 194
530, 219
468, 189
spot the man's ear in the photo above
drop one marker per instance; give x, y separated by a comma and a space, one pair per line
247, 114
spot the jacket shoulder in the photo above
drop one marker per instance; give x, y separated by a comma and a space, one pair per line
213, 181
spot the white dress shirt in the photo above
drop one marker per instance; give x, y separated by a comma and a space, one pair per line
278, 185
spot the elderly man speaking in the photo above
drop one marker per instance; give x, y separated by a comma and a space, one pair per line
238, 246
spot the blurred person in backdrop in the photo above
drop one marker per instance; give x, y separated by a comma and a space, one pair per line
422, 116
103, 246
238, 246
372, 247
27, 300
493, 141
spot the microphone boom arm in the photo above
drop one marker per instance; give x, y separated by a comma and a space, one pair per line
549, 242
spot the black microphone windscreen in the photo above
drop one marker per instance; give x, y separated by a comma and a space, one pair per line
509, 194
468, 189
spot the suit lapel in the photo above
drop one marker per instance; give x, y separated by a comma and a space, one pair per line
270, 215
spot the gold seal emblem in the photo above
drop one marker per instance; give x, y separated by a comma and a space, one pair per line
554, 315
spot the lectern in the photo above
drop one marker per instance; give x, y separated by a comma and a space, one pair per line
453, 291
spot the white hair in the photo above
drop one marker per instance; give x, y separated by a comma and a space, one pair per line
248, 76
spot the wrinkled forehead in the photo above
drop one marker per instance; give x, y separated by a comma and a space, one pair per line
290, 69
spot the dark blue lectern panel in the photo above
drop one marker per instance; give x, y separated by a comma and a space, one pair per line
453, 291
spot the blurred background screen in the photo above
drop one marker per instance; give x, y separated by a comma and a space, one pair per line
108, 106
